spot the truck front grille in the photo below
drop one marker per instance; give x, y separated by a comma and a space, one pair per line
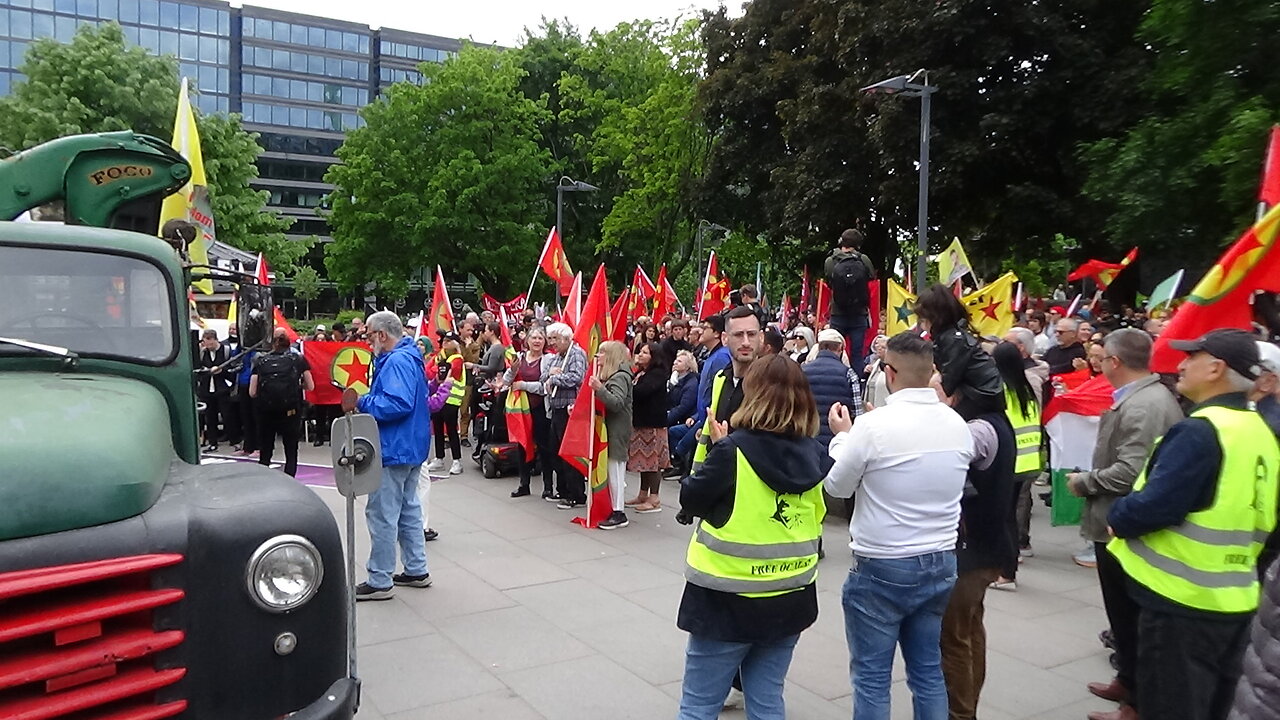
78, 642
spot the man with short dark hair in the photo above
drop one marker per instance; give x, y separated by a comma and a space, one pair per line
773, 341
848, 271
1142, 411
213, 386
276, 385
743, 338
677, 338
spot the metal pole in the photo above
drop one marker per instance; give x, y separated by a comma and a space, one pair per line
922, 221
560, 211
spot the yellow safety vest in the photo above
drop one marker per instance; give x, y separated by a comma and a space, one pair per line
1026, 431
459, 386
704, 434
1209, 561
769, 545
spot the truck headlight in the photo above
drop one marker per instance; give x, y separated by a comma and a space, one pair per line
284, 573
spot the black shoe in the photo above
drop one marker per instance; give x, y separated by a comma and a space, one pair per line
211, 448
317, 442
551, 496
418, 581
617, 520
428, 535
520, 491
566, 504
365, 591
466, 442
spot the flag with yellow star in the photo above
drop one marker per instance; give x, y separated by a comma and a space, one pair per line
899, 310
991, 306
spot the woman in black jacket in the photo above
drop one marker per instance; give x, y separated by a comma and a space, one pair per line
969, 375
649, 453
749, 589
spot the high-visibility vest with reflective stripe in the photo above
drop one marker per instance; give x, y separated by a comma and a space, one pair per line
1209, 561
1026, 431
459, 385
769, 545
704, 434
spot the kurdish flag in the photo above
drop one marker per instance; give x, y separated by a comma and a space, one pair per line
714, 295
1102, 272
585, 445
899, 312
191, 203
441, 319
991, 307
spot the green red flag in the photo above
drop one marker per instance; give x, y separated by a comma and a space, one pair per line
1222, 297
441, 311
714, 294
618, 317
1102, 272
585, 445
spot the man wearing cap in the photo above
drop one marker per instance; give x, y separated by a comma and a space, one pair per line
1266, 389
832, 382
1190, 533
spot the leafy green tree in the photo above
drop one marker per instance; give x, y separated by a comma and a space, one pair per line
96, 83
306, 285
448, 172
1183, 178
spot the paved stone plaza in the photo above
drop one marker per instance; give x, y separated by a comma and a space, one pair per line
533, 617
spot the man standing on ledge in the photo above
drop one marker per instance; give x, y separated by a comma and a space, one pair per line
397, 400
1190, 533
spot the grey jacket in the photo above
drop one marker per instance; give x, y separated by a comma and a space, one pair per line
562, 389
1127, 433
616, 396
1258, 693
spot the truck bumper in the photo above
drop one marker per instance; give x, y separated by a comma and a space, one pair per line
339, 702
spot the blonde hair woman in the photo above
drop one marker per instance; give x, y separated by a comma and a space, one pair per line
753, 557
612, 384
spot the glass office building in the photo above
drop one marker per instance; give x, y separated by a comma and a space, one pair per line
298, 80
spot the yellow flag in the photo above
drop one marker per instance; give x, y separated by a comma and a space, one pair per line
899, 309
192, 201
991, 307
953, 263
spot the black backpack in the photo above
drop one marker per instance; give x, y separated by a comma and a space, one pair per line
279, 381
849, 278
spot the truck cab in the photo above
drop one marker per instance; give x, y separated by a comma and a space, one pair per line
134, 581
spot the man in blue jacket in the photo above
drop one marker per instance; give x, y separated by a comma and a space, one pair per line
397, 400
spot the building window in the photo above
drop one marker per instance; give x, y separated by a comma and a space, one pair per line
168, 14
188, 47
64, 29
87, 8
109, 9
129, 11
189, 18
315, 37
168, 43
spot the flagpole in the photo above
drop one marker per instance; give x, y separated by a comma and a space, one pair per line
706, 277
591, 457
538, 265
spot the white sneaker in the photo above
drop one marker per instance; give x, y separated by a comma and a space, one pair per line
734, 700
435, 465
456, 468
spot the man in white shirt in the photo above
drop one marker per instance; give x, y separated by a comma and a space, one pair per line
906, 463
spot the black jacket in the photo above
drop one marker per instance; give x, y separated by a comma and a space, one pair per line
221, 382
785, 464
649, 400
682, 399
1258, 694
829, 381
967, 370
984, 540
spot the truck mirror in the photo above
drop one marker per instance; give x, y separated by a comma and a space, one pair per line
357, 456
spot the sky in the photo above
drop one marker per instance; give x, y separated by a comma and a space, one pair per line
492, 21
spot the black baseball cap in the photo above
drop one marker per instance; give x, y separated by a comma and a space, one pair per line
1237, 348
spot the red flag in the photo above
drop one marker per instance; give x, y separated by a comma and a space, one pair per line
554, 262
1102, 272
873, 302
640, 294
785, 315
714, 294
288, 329
1222, 297
514, 305
346, 363
804, 291
441, 310
573, 303
1269, 194
585, 444
664, 297
822, 313
618, 317
261, 273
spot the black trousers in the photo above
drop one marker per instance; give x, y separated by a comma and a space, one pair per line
445, 423
248, 419
1122, 615
570, 484
1188, 666
541, 443
216, 410
288, 425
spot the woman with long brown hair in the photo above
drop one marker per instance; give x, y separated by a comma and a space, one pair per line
612, 384
648, 453
753, 557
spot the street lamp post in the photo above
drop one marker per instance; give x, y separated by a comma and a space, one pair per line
568, 184
704, 225
907, 85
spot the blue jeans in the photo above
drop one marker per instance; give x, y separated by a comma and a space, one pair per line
709, 667
394, 511
854, 331
892, 601
682, 439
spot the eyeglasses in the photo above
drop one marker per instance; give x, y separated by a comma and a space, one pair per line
890, 367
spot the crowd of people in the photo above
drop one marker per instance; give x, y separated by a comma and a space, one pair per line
764, 419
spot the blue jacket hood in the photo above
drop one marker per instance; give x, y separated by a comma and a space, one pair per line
397, 400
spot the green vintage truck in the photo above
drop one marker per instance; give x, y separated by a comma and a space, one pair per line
134, 582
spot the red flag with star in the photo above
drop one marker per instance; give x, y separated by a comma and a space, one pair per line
441, 318
714, 294
1102, 272
640, 293
618, 317
555, 263
664, 296
991, 306
822, 311
1222, 298
585, 444
785, 314
347, 363
804, 292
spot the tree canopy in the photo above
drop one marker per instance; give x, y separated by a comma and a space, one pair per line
97, 83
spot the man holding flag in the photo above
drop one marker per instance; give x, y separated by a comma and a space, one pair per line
562, 382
